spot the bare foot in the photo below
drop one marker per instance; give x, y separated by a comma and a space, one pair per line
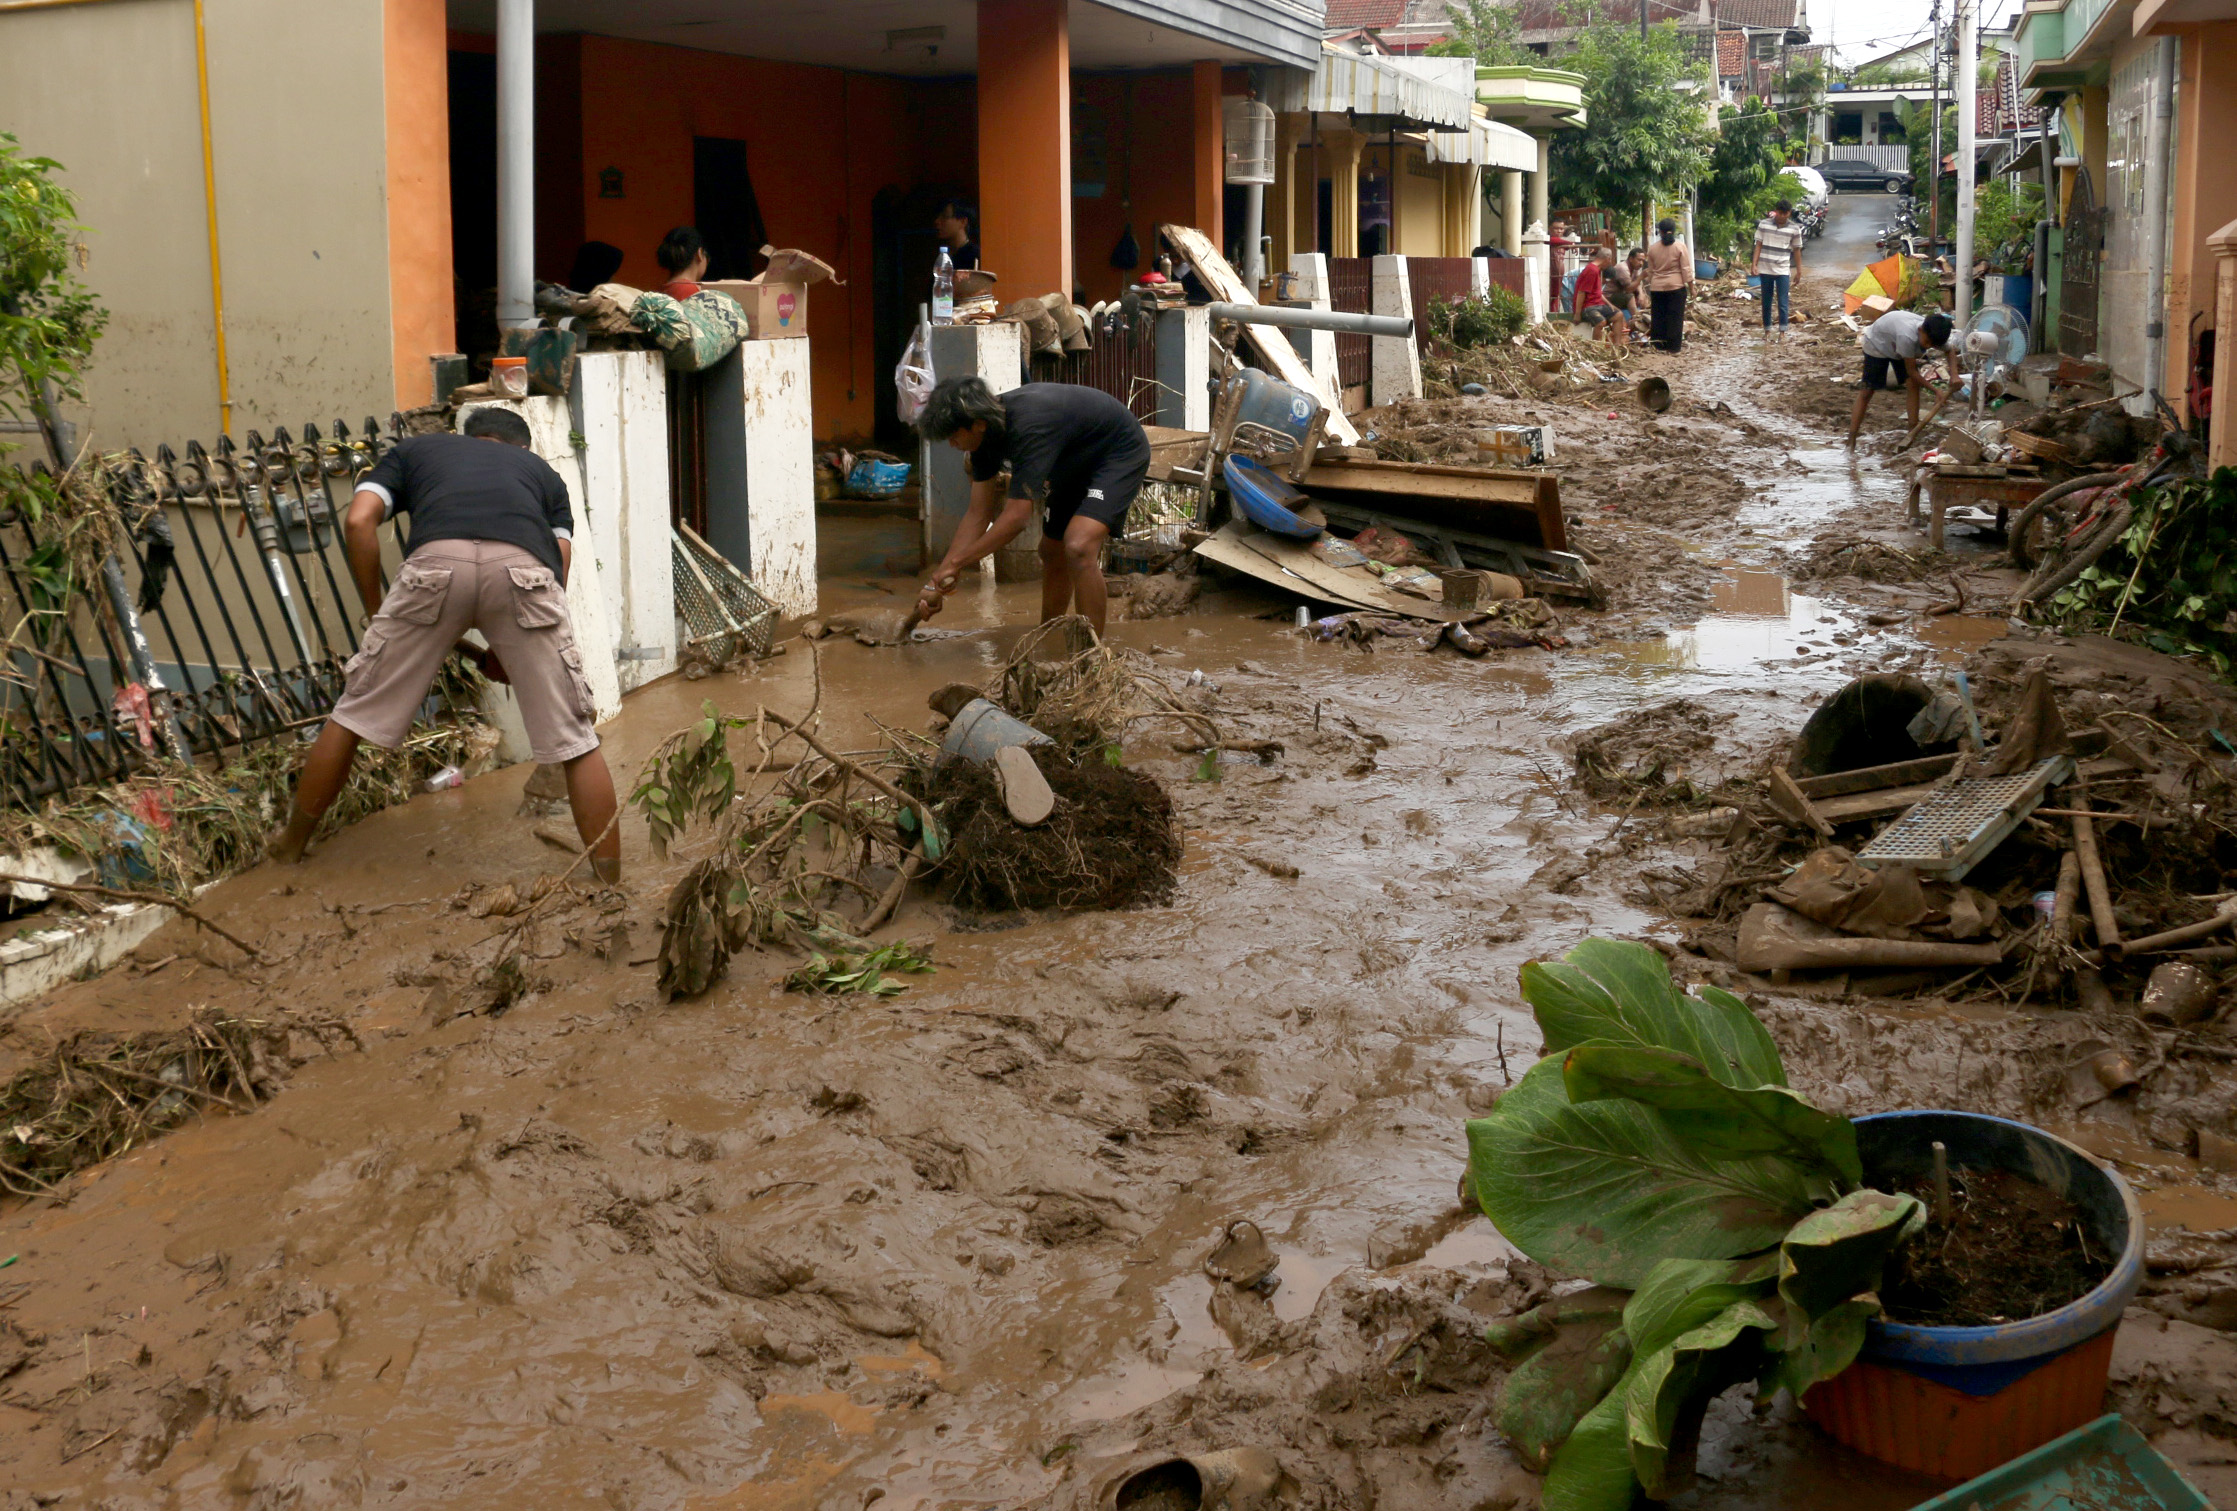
287, 843
607, 871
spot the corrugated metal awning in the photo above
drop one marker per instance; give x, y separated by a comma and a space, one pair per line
1381, 87
1487, 144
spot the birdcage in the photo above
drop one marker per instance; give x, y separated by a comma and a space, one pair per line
1249, 129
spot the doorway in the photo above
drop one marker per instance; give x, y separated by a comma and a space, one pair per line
724, 208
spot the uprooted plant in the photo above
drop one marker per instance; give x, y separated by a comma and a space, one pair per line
1657, 1151
814, 860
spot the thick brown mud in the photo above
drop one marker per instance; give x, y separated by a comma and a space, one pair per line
765, 1250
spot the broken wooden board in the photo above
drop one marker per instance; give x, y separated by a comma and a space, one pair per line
1524, 507
1170, 448
1270, 341
1291, 565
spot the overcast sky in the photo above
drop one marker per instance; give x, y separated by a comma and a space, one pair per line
1863, 28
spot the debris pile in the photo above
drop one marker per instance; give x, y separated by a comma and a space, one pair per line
2055, 830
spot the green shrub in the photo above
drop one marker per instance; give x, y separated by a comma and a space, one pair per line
1499, 316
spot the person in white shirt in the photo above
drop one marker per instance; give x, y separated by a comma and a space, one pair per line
1778, 259
1893, 346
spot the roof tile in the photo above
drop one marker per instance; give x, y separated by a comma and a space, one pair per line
1350, 15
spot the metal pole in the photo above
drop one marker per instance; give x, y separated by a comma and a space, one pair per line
2041, 304
1254, 226
1967, 66
1642, 20
1295, 318
2157, 149
1934, 133
516, 163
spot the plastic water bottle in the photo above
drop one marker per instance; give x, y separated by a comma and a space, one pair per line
943, 288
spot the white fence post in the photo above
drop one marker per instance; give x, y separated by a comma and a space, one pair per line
1397, 360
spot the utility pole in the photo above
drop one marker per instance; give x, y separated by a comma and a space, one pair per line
1968, 67
1934, 134
1643, 20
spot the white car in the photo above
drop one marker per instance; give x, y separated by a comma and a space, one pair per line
1813, 184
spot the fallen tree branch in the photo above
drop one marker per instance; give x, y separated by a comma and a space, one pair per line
126, 894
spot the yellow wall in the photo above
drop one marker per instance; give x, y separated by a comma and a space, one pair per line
298, 120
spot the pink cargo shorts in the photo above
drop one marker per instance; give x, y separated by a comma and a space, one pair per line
444, 589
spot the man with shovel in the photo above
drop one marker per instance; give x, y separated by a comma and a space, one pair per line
1076, 450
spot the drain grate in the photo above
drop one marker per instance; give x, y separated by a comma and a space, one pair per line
723, 611
1956, 826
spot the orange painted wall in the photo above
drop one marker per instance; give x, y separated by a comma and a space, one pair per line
415, 86
1025, 133
822, 143
1151, 177
2204, 188
1209, 155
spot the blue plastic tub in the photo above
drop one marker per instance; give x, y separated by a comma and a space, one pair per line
1897, 1147
1267, 499
1706, 268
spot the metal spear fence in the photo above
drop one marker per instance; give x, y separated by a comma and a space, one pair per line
216, 610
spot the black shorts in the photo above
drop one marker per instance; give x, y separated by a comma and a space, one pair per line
1885, 374
1105, 496
1598, 314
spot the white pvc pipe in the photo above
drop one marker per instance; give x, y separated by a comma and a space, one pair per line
1254, 231
2157, 149
516, 163
1968, 65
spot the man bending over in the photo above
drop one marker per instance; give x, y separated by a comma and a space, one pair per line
490, 547
1076, 449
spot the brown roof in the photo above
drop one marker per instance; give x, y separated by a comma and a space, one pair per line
1555, 15
1765, 13
1732, 54
1352, 15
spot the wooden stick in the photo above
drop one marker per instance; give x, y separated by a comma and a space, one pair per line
2062, 905
2093, 877
1790, 800
1920, 428
122, 894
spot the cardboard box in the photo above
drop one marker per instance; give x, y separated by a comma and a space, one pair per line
773, 310
1874, 307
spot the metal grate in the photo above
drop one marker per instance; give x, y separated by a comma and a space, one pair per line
1956, 826
724, 612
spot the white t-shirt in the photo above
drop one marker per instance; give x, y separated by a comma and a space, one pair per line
1776, 245
1896, 334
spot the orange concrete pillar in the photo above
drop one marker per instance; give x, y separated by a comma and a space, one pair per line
415, 85
1025, 145
1208, 152
2221, 437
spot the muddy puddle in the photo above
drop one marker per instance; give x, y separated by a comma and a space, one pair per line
760, 1250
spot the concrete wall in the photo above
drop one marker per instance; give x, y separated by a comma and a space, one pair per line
620, 407
2123, 281
2204, 186
761, 487
298, 122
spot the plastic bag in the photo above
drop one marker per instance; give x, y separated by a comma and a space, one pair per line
912, 379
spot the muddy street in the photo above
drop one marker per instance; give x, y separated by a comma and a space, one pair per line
759, 1249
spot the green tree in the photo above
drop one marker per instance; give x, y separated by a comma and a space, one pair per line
1745, 167
1484, 30
1649, 136
48, 320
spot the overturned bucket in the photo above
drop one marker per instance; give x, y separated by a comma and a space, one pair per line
1654, 394
980, 729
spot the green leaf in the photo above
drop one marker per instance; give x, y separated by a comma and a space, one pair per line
1546, 1395
1664, 1384
1830, 1346
1607, 1189
1679, 1295
1838, 1252
1714, 1117
1614, 991
1592, 1470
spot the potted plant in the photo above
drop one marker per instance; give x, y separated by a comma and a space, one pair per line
1727, 1227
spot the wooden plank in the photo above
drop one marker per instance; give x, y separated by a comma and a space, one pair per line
1851, 807
1270, 341
2086, 742
1524, 507
1875, 778
1170, 448
1789, 800
1291, 564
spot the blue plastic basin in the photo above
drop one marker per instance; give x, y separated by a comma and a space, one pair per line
1897, 1150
